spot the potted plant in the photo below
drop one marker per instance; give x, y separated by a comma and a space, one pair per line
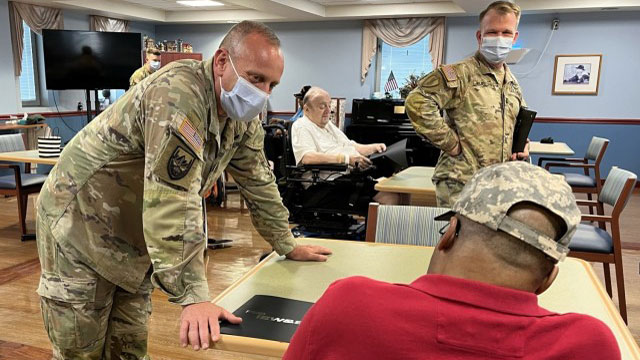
410, 84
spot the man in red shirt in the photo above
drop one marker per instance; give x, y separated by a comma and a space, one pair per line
507, 231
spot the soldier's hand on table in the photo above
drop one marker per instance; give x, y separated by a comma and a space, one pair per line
309, 253
199, 324
362, 161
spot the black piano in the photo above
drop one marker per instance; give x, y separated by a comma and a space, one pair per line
385, 121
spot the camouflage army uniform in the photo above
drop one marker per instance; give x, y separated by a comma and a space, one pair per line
479, 110
139, 75
126, 194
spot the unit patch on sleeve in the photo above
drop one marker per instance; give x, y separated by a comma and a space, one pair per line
179, 163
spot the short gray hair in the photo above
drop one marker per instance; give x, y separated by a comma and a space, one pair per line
312, 93
241, 30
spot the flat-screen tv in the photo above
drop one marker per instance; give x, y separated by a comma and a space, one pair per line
90, 59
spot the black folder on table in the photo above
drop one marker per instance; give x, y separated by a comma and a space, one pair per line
267, 317
524, 121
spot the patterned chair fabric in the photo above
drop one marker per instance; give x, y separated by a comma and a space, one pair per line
613, 185
409, 225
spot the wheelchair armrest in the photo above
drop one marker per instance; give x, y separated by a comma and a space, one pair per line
324, 167
274, 126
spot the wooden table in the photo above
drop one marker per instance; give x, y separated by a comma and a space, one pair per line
557, 148
27, 156
413, 185
575, 290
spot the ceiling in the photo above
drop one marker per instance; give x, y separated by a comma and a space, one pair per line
168, 11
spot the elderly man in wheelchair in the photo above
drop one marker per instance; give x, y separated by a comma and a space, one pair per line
333, 179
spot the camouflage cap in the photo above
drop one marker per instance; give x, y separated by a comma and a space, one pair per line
493, 190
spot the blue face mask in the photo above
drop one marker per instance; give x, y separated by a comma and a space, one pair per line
154, 64
245, 101
496, 48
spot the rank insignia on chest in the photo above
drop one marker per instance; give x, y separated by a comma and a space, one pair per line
179, 163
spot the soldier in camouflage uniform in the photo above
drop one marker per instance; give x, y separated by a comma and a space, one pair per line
151, 64
122, 210
481, 98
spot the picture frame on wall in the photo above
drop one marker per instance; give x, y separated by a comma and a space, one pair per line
576, 74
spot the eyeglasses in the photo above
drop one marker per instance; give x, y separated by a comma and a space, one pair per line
446, 227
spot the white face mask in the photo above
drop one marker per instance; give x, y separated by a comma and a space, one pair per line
245, 101
154, 64
496, 48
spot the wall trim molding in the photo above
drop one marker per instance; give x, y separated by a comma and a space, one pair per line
601, 121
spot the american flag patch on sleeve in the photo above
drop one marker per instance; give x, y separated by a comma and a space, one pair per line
190, 134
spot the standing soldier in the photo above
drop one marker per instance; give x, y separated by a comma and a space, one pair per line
122, 210
481, 98
151, 65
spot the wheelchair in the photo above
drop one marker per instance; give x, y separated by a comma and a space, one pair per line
299, 188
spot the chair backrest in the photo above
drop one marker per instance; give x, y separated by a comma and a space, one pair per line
617, 188
596, 149
8, 143
409, 225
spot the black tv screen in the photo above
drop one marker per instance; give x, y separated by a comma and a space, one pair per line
90, 59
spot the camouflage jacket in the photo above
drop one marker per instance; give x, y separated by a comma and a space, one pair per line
139, 75
127, 190
478, 109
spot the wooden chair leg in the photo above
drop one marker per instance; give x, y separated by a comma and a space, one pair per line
622, 300
589, 197
607, 279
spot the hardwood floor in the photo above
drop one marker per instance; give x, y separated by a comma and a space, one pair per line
22, 335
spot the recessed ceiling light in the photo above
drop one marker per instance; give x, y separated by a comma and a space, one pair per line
199, 3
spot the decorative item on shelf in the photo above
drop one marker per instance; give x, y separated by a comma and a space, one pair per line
172, 46
179, 45
187, 48
148, 42
160, 46
49, 145
410, 84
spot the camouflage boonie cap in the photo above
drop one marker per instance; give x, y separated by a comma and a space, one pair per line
493, 190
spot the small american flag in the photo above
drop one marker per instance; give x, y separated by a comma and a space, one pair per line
190, 134
391, 83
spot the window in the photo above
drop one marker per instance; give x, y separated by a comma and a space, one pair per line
405, 61
29, 80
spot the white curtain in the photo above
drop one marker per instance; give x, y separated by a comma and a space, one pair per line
37, 18
400, 33
101, 23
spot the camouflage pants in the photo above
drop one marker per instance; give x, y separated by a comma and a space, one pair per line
447, 192
85, 315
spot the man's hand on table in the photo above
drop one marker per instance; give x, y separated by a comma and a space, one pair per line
199, 324
309, 253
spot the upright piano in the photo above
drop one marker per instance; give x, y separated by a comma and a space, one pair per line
385, 121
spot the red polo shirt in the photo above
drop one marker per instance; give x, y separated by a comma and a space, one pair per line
442, 317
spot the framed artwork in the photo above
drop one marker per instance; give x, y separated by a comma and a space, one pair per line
576, 74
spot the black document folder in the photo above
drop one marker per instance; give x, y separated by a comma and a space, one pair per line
268, 317
524, 121
392, 160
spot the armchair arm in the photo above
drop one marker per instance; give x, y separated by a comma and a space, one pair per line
596, 218
16, 170
586, 202
574, 160
569, 165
